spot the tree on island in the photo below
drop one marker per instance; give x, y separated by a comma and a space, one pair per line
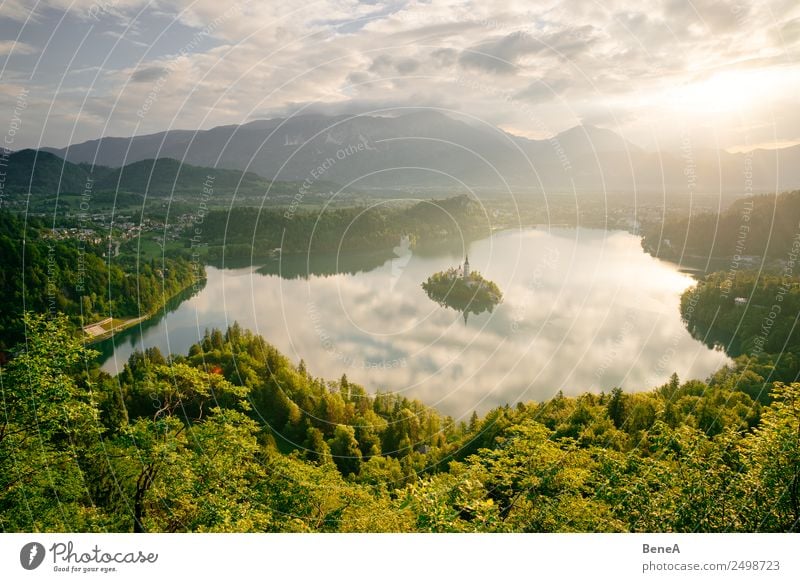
464, 290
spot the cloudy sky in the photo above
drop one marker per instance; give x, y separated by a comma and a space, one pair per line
724, 72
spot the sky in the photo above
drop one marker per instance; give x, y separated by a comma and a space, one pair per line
723, 73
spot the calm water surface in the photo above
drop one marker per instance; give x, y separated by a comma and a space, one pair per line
583, 310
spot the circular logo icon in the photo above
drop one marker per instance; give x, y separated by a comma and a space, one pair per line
31, 555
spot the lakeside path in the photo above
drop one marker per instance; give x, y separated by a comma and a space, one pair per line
106, 328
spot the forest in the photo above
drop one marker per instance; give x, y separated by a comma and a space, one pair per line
234, 437
745, 312
370, 228
74, 277
41, 173
765, 225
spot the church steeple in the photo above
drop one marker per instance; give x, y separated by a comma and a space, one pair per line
465, 270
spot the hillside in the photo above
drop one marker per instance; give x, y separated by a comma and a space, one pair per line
46, 174
752, 227
165, 176
374, 229
737, 311
42, 173
428, 149
243, 440
75, 277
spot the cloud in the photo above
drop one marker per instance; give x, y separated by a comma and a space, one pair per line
607, 117
498, 55
789, 32
148, 74
262, 59
502, 55
542, 90
717, 16
11, 47
18, 10
387, 65
445, 57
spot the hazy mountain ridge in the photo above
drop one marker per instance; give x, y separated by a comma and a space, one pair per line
431, 150
41, 172
44, 173
164, 176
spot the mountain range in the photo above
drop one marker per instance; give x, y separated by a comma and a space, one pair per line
44, 173
431, 150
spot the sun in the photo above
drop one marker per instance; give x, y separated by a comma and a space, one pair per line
726, 92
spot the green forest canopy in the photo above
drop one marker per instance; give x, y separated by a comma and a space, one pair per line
73, 277
234, 437
765, 225
259, 231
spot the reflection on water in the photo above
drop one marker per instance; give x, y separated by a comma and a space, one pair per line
463, 291
323, 265
582, 310
138, 336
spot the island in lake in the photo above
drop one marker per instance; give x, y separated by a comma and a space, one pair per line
464, 290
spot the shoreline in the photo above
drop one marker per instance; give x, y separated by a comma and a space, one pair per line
91, 339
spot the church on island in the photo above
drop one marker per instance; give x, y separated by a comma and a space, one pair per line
463, 289
462, 271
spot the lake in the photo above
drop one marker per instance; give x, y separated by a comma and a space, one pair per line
583, 310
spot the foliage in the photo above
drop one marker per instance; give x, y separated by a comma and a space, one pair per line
48, 426
73, 278
169, 177
340, 229
756, 226
750, 325
40, 172
472, 294
234, 437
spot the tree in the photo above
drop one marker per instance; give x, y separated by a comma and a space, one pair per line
345, 450
616, 407
473, 421
317, 449
772, 483
48, 427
